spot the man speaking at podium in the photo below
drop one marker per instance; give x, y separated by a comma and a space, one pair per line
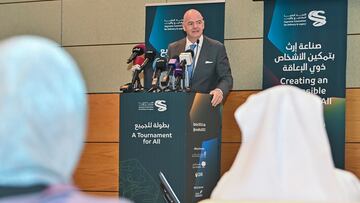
211, 71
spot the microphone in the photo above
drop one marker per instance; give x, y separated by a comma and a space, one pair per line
178, 73
159, 65
136, 51
175, 65
172, 64
140, 62
186, 58
149, 56
136, 68
137, 63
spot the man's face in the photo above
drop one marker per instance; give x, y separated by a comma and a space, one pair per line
193, 25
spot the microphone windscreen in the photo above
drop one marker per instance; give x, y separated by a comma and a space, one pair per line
139, 49
150, 54
178, 71
172, 61
154, 63
161, 63
138, 60
190, 51
141, 46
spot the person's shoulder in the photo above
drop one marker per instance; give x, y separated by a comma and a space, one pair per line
176, 43
213, 41
345, 175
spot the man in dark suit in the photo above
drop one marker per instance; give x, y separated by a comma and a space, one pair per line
211, 72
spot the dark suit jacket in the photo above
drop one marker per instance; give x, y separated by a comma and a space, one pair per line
212, 69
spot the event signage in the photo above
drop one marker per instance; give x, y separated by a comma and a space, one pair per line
305, 46
169, 147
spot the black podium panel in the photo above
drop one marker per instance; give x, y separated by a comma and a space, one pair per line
169, 147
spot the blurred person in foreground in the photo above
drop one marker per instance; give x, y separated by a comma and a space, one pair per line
42, 123
285, 154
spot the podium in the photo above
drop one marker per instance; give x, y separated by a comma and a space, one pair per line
169, 147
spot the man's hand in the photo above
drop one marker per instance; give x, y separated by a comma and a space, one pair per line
217, 97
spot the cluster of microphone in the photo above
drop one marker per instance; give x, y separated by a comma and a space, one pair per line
168, 74
139, 57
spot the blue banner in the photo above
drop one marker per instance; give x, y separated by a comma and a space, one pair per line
305, 46
164, 25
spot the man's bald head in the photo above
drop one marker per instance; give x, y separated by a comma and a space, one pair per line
192, 12
193, 24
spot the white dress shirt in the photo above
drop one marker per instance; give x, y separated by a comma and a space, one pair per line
196, 50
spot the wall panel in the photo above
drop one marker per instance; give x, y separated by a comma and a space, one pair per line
230, 129
103, 67
21, 1
353, 61
228, 154
353, 16
36, 18
106, 194
246, 63
352, 158
353, 115
103, 21
98, 168
103, 124
243, 19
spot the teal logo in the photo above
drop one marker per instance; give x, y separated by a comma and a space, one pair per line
318, 18
161, 105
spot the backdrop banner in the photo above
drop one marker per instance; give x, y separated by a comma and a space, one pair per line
305, 46
164, 25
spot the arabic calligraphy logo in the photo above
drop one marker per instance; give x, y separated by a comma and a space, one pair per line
319, 20
161, 105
